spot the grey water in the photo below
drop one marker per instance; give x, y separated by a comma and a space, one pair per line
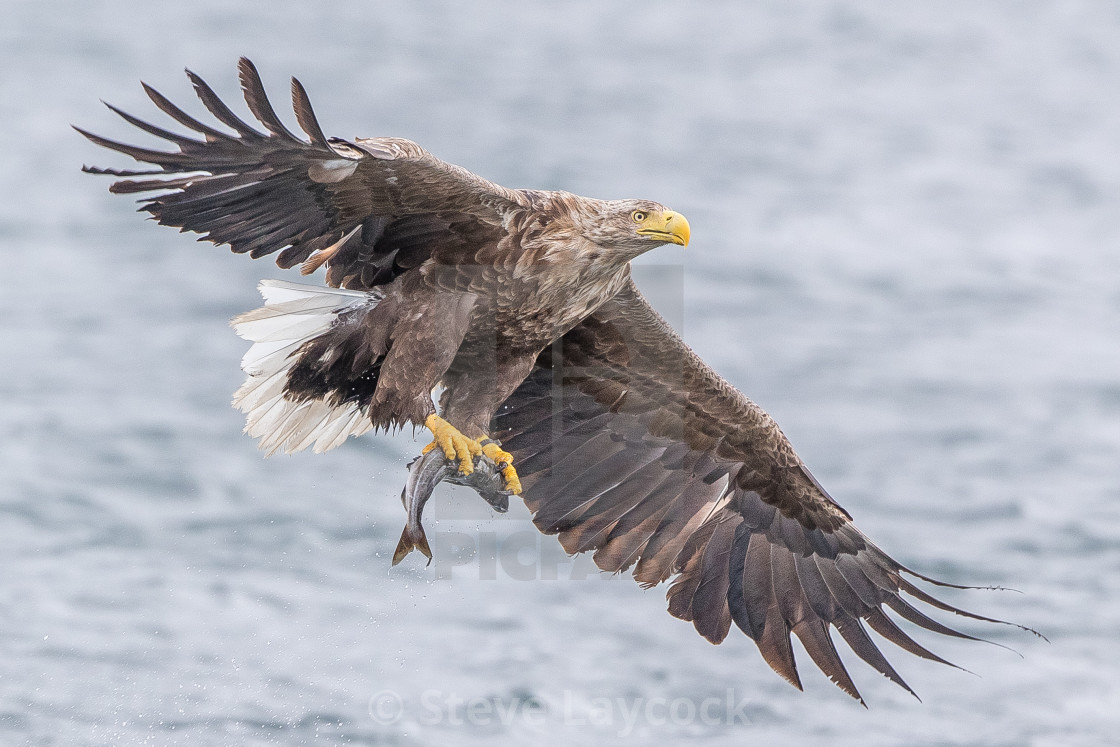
906, 247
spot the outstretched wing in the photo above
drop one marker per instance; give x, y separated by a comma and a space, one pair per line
369, 209
630, 446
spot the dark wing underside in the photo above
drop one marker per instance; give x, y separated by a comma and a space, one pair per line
368, 209
630, 447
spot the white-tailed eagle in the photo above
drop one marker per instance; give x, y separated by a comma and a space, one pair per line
554, 368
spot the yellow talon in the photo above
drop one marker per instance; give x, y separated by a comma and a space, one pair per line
513, 482
504, 460
454, 444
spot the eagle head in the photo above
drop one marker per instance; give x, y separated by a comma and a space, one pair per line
636, 226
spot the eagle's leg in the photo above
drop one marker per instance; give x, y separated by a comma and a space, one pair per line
493, 449
475, 386
455, 445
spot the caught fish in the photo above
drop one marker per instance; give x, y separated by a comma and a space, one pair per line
429, 470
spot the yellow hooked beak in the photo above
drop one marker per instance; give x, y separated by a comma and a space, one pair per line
668, 226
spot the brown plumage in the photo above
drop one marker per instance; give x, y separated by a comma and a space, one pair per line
520, 304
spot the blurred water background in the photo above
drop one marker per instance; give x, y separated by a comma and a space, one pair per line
906, 221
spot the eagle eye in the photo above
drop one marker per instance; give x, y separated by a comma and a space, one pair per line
638, 216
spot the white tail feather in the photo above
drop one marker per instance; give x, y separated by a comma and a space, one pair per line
292, 314
256, 356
